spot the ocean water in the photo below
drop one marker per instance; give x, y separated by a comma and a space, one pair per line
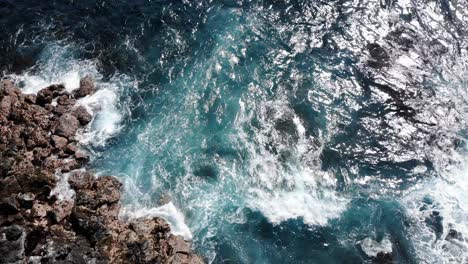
269, 131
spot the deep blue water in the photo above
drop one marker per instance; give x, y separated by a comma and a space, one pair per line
279, 131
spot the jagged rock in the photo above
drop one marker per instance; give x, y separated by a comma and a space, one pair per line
178, 244
26, 200
70, 165
81, 156
71, 149
9, 186
5, 106
66, 100
80, 180
38, 138
41, 153
9, 205
9, 88
12, 239
82, 115
61, 210
87, 87
46, 95
40, 210
30, 98
67, 126
59, 142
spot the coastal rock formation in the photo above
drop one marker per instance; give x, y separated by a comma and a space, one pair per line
38, 224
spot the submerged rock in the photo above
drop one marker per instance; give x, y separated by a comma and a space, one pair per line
38, 227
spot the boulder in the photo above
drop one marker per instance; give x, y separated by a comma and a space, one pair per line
67, 126
178, 244
61, 210
82, 115
81, 156
46, 95
59, 142
87, 87
71, 149
38, 138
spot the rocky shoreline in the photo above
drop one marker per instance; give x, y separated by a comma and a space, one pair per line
38, 152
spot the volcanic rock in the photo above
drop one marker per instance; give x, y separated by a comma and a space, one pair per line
67, 126
87, 87
82, 115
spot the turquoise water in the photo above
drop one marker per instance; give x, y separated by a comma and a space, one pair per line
278, 131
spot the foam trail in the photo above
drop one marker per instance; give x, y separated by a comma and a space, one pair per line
169, 213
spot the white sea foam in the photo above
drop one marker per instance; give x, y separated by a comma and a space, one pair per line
372, 247
312, 208
447, 196
295, 188
168, 212
58, 66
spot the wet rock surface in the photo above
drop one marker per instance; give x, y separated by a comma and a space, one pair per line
37, 225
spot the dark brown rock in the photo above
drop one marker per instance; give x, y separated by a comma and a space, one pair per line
82, 115
66, 100
5, 106
67, 126
87, 87
8, 88
40, 209
59, 142
61, 210
81, 156
30, 98
46, 95
38, 138
71, 149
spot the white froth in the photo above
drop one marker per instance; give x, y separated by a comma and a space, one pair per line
107, 118
372, 247
171, 214
304, 204
297, 189
449, 198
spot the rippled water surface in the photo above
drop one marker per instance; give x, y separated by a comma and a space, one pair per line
278, 131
